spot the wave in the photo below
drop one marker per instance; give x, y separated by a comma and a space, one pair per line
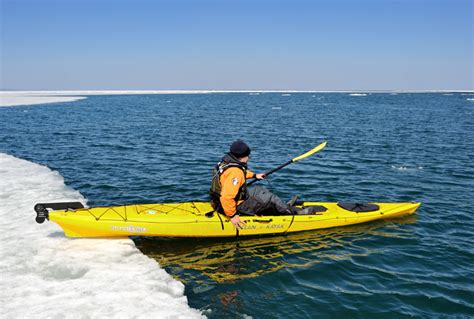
48, 275
406, 168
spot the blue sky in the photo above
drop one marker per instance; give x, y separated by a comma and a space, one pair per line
237, 45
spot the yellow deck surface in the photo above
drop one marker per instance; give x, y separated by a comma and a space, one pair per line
193, 219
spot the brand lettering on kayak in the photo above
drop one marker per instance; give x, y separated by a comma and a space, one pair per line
130, 229
254, 227
274, 226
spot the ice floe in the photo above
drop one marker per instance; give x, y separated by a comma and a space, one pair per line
46, 275
19, 99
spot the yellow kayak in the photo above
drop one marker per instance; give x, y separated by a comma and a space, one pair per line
198, 219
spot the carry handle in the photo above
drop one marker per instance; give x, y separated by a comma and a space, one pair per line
262, 220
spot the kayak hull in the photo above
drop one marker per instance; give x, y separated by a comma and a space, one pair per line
197, 219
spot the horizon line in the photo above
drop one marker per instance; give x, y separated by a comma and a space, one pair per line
119, 92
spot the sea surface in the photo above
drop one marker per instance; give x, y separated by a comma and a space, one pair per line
381, 147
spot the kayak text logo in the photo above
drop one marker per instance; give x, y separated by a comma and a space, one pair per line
130, 229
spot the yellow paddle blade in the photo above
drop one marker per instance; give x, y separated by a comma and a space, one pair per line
314, 150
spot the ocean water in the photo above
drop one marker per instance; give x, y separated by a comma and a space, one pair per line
381, 147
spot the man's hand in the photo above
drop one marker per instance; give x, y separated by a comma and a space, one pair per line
260, 176
237, 222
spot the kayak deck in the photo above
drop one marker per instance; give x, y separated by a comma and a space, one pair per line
198, 219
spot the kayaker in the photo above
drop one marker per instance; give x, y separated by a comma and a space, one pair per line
229, 193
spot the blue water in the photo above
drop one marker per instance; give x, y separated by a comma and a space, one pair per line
382, 147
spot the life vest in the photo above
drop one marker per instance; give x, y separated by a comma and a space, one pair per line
227, 161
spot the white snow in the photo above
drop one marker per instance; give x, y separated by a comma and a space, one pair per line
46, 275
15, 100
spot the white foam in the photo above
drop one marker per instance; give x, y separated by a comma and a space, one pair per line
406, 168
470, 99
45, 274
358, 94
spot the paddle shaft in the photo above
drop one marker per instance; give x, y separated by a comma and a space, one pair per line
272, 171
309, 153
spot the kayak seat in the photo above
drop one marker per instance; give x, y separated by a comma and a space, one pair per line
317, 209
311, 210
358, 207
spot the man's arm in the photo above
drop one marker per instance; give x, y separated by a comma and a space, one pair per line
251, 174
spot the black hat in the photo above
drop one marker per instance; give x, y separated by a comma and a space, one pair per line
239, 149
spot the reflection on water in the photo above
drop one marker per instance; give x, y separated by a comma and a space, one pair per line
207, 261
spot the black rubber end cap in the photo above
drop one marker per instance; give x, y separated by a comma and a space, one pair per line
40, 220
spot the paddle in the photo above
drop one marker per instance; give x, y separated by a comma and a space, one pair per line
307, 154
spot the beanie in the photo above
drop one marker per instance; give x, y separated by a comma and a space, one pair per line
239, 149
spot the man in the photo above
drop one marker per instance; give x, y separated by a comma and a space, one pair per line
229, 191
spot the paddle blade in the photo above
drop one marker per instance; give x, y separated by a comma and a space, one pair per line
307, 154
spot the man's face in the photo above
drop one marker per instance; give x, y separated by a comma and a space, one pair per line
244, 159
